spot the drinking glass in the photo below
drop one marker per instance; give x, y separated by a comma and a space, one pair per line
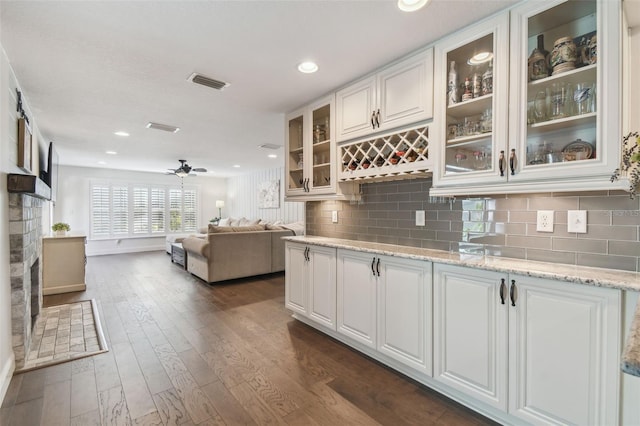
558, 99
540, 106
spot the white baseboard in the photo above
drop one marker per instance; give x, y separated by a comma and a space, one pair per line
6, 374
125, 250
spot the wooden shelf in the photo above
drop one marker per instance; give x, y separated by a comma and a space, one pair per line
471, 107
467, 140
561, 123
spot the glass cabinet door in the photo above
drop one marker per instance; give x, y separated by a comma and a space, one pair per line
321, 146
295, 154
471, 103
561, 88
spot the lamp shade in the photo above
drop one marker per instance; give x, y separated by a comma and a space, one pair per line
219, 203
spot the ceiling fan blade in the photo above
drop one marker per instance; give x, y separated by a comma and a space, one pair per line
199, 169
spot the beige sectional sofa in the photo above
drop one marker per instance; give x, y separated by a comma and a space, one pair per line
235, 252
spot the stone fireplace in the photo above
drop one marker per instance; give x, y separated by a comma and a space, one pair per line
25, 246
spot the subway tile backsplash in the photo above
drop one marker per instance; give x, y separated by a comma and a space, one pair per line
500, 225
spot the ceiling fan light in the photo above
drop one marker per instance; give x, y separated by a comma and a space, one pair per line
411, 5
181, 173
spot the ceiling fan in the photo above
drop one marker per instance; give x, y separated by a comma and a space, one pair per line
185, 169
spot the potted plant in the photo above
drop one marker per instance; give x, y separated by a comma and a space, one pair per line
630, 162
61, 229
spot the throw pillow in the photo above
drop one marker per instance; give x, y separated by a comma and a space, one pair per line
249, 222
224, 222
213, 229
248, 228
234, 221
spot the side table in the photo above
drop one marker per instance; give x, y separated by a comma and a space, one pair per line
178, 255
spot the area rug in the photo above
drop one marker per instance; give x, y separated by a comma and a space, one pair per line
63, 333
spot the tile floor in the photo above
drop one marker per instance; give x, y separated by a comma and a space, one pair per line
63, 333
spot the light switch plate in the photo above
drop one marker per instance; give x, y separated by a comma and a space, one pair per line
334, 216
545, 221
577, 221
420, 218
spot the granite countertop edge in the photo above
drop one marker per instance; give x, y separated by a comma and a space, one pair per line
599, 277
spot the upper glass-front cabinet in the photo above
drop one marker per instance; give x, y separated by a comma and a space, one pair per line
310, 150
471, 92
566, 85
553, 121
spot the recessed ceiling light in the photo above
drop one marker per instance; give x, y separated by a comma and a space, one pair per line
102, 162
272, 156
236, 165
411, 5
480, 58
111, 152
121, 133
308, 67
163, 127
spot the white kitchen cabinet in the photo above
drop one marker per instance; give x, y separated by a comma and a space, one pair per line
385, 303
470, 333
310, 282
398, 95
545, 352
404, 311
357, 296
64, 260
554, 141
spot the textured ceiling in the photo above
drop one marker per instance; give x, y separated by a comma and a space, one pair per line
90, 68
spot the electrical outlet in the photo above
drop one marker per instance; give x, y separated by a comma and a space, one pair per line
419, 217
334, 216
577, 221
545, 221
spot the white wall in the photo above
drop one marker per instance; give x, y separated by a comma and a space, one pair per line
8, 161
242, 198
73, 205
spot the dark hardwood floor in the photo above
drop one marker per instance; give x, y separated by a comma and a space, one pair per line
184, 353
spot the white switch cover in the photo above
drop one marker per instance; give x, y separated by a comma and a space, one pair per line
577, 221
334, 216
419, 217
545, 221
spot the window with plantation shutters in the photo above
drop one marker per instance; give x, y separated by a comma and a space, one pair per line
121, 210
158, 210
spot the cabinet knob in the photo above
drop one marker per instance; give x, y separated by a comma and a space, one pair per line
503, 287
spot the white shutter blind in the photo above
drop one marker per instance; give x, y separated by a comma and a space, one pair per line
120, 210
100, 211
175, 209
189, 209
140, 210
157, 210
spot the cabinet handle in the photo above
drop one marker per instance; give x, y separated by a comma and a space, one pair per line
378, 267
306, 185
306, 254
512, 293
513, 162
503, 287
373, 262
378, 118
501, 163
373, 119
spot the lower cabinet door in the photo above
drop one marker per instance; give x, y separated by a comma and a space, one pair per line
322, 286
404, 311
470, 333
357, 296
295, 280
564, 352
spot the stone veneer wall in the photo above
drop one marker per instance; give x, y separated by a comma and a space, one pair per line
25, 248
499, 225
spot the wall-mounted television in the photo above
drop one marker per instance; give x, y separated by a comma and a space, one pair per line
49, 173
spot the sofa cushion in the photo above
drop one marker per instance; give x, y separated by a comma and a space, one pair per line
234, 221
224, 221
196, 245
249, 222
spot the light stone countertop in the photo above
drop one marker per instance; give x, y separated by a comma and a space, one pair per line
599, 277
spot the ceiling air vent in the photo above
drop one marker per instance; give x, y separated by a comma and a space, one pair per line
164, 127
269, 146
209, 82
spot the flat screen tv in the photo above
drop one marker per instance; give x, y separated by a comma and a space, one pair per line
50, 174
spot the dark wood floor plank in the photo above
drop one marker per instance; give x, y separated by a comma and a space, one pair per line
170, 408
259, 410
198, 367
84, 396
56, 405
227, 406
32, 386
133, 382
26, 413
113, 407
151, 419
91, 418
